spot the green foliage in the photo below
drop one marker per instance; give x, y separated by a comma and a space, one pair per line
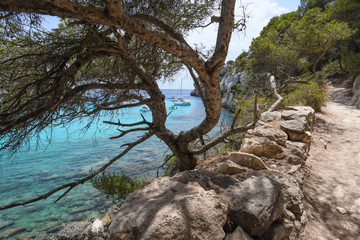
245, 104
171, 167
116, 185
352, 62
310, 94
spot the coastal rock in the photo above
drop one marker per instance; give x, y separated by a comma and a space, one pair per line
238, 234
97, 226
276, 135
261, 146
297, 148
270, 116
206, 179
256, 203
167, 209
229, 167
298, 126
302, 111
247, 160
278, 231
296, 130
290, 188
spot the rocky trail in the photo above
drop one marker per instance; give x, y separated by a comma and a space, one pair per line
332, 187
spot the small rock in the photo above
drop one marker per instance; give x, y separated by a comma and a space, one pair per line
341, 210
97, 226
247, 160
106, 219
238, 234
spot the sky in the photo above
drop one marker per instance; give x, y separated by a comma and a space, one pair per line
260, 12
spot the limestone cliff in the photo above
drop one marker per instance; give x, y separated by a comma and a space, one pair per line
228, 80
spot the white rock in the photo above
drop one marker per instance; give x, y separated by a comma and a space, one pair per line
341, 210
97, 226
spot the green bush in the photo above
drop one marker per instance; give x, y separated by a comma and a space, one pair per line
116, 185
310, 94
171, 167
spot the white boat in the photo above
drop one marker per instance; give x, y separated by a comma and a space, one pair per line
173, 107
182, 102
144, 109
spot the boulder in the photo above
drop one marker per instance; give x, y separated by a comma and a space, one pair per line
276, 135
270, 116
255, 203
238, 234
261, 146
296, 130
298, 126
168, 209
229, 167
247, 160
278, 231
299, 149
206, 179
290, 188
302, 111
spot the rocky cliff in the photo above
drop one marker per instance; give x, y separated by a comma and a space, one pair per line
228, 80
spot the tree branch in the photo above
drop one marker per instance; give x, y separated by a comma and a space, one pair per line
230, 132
124, 132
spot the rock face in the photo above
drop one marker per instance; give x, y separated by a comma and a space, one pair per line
168, 209
255, 212
247, 160
355, 100
227, 81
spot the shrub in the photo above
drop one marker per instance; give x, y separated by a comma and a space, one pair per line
310, 94
116, 185
171, 166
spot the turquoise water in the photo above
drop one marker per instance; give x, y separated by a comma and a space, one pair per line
71, 155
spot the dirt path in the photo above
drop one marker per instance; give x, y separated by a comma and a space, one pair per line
332, 189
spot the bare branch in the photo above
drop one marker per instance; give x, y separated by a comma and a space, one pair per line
279, 98
124, 132
230, 132
128, 124
71, 185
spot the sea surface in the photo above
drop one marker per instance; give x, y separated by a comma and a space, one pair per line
71, 154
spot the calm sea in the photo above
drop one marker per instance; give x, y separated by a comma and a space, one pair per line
71, 154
